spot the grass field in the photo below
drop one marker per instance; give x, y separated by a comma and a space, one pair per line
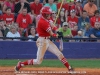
78, 63
89, 66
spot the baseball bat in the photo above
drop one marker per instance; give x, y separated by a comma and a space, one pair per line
61, 40
61, 45
58, 12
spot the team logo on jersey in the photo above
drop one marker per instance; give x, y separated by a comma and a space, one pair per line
24, 20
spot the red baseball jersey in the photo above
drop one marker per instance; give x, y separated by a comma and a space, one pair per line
76, 9
8, 18
43, 27
72, 22
93, 20
64, 6
36, 8
24, 20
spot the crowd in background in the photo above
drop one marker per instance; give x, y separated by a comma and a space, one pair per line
77, 18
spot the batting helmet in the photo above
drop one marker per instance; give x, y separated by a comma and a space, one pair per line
46, 10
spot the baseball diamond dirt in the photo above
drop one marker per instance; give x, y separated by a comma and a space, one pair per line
47, 71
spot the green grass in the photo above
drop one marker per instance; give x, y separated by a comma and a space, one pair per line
79, 63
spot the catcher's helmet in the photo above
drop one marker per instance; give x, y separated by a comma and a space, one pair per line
46, 10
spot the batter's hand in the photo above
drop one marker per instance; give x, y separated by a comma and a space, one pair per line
60, 34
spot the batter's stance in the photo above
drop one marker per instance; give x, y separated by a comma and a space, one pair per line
43, 42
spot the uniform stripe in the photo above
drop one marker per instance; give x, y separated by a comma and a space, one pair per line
64, 60
48, 29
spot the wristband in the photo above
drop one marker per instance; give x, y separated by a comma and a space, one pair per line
54, 35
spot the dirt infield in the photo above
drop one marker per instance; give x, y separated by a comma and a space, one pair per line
47, 71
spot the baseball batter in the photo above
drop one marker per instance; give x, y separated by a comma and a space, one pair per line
43, 42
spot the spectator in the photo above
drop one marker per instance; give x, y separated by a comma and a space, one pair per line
9, 3
95, 32
75, 30
95, 18
65, 30
71, 4
83, 20
53, 17
8, 17
61, 18
52, 20
32, 34
78, 8
52, 5
20, 5
3, 28
24, 20
36, 7
90, 8
13, 33
65, 7
72, 20
79, 35
87, 30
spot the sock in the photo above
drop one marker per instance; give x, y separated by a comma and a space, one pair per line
28, 62
65, 62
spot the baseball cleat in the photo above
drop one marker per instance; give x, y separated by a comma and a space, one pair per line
18, 66
71, 70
